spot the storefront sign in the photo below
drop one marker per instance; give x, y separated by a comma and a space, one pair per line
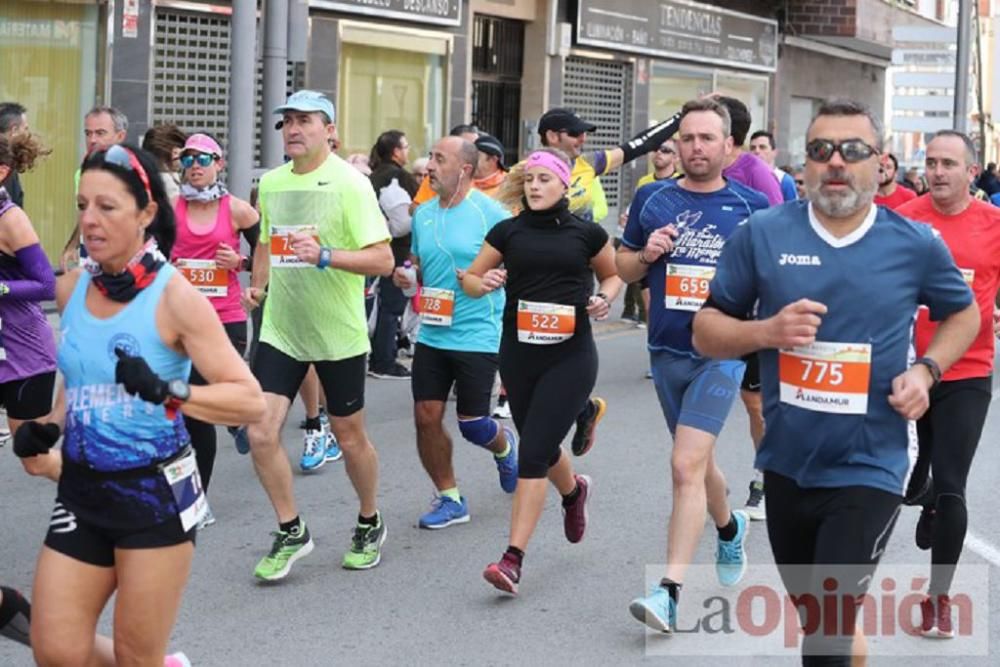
130, 19
39, 32
679, 29
441, 12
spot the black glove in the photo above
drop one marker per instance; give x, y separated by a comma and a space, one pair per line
34, 438
139, 379
651, 138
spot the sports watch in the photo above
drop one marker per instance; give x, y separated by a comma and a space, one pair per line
178, 391
932, 367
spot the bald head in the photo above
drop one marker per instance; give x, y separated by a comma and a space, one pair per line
452, 163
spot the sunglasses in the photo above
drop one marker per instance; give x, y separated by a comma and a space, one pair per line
203, 160
799, 181
573, 133
126, 159
852, 150
664, 150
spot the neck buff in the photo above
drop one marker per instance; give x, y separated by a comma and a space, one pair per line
557, 213
211, 193
138, 274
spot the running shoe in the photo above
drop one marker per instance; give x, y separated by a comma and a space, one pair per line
924, 534
731, 556
649, 374
575, 516
657, 610
586, 426
4, 436
288, 547
313, 451
332, 451
505, 574
755, 503
397, 372
936, 618
176, 660
207, 520
507, 465
241, 439
366, 547
502, 411
445, 512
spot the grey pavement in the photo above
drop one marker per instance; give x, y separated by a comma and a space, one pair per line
426, 604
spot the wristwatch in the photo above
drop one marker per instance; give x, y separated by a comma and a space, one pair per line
325, 255
178, 390
932, 368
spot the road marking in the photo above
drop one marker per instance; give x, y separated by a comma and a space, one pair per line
983, 548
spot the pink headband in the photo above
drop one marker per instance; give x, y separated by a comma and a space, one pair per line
550, 162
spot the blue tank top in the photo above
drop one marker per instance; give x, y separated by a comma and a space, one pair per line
108, 429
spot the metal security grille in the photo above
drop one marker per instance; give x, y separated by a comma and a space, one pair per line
497, 64
600, 91
191, 75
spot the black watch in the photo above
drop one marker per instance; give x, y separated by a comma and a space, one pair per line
932, 367
179, 390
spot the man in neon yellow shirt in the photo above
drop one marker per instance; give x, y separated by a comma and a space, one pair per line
321, 233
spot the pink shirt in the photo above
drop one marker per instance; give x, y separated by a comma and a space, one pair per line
202, 243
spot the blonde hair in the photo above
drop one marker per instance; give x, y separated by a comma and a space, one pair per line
511, 194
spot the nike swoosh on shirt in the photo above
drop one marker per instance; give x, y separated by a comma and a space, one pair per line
322, 183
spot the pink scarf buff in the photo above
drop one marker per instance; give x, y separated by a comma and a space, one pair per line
550, 162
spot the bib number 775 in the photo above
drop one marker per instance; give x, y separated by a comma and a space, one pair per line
830, 373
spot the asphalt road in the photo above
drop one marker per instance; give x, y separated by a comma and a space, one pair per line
426, 604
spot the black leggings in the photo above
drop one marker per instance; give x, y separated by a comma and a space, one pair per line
202, 433
547, 387
949, 433
844, 531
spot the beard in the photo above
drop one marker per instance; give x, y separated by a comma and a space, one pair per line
841, 204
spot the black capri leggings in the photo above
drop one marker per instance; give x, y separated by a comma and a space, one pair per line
202, 433
949, 433
547, 387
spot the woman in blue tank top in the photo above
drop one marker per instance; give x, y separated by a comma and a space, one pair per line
129, 492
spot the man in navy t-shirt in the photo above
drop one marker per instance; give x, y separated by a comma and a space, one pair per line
837, 281
674, 236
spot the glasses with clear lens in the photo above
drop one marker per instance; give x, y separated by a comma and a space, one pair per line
852, 150
203, 160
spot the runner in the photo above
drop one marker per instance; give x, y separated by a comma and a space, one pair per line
13, 119
548, 359
490, 169
426, 193
674, 235
165, 143
27, 347
459, 336
890, 193
129, 494
321, 233
834, 487
949, 431
207, 252
762, 145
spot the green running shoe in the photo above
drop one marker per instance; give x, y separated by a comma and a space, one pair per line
366, 547
288, 547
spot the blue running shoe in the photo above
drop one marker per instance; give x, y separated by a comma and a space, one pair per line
731, 556
313, 451
507, 465
241, 440
445, 512
657, 610
332, 452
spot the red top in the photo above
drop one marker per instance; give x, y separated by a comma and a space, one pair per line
898, 197
195, 242
973, 236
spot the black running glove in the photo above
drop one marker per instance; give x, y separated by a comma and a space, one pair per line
34, 438
139, 379
651, 138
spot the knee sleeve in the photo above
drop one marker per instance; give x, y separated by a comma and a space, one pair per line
15, 616
479, 431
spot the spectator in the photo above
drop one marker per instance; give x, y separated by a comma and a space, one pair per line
987, 181
165, 142
420, 168
762, 145
491, 170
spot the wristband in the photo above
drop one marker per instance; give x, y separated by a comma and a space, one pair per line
932, 367
245, 264
604, 296
324, 257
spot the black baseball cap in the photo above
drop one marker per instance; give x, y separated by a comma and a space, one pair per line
487, 143
560, 119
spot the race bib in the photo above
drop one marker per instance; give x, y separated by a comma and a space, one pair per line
544, 323
281, 246
969, 275
206, 277
185, 482
437, 306
826, 377
687, 286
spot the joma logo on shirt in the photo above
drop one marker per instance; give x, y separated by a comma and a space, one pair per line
799, 260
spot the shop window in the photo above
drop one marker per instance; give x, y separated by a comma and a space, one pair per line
752, 91
497, 64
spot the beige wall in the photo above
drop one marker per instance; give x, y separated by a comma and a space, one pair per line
524, 10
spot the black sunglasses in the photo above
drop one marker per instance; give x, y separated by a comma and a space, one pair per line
573, 133
665, 150
852, 150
